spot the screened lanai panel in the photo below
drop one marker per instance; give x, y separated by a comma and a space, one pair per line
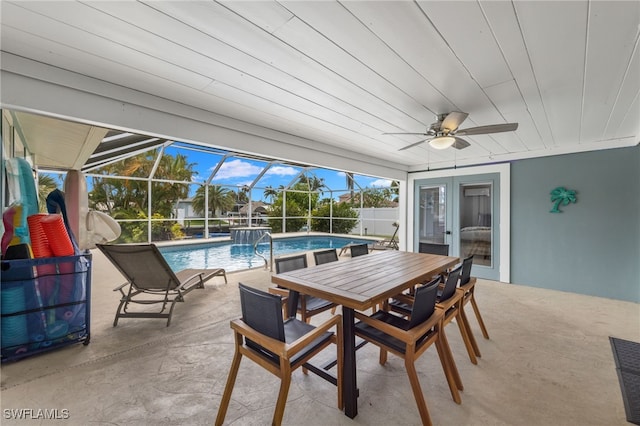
166, 197
119, 145
159, 190
275, 177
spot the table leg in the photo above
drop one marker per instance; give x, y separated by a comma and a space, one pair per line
349, 383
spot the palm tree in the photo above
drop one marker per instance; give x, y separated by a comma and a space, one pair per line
395, 190
46, 184
562, 195
270, 192
350, 185
243, 194
220, 199
315, 183
119, 194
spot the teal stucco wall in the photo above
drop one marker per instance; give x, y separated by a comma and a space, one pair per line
593, 246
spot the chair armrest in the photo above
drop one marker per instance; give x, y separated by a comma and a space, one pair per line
296, 346
465, 288
468, 286
120, 287
190, 278
404, 298
451, 301
407, 336
279, 291
418, 331
271, 344
382, 326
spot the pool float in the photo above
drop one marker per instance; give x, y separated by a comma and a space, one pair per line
77, 203
23, 201
101, 228
22, 185
13, 327
14, 231
56, 204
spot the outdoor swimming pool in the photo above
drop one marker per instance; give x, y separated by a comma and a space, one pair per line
236, 257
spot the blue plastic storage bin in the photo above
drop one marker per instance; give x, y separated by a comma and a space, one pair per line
44, 304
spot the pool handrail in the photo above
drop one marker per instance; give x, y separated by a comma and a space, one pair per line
255, 250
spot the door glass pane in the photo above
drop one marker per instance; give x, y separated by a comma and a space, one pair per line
476, 222
432, 214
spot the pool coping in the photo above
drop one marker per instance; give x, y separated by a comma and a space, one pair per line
278, 236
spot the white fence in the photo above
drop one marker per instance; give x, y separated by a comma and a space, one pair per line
376, 221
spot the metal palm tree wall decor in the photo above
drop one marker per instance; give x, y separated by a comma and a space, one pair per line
562, 195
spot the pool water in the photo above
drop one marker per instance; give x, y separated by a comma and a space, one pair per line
236, 257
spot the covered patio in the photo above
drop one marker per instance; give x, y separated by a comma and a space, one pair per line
327, 84
549, 361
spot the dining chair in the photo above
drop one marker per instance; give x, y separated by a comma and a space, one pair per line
325, 256
277, 345
467, 286
410, 338
450, 300
359, 249
433, 248
308, 306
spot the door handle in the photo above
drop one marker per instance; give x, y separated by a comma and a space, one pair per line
448, 232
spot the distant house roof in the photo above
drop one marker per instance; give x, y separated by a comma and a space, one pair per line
256, 206
346, 198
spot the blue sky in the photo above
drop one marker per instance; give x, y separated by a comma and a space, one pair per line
241, 171
238, 172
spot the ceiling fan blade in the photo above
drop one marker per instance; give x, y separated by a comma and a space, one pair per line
453, 120
412, 145
460, 143
405, 133
492, 128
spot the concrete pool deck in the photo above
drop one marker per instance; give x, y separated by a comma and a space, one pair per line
549, 361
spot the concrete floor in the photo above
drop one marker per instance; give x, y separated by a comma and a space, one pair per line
549, 362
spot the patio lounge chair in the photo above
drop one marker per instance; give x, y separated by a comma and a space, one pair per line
391, 243
150, 280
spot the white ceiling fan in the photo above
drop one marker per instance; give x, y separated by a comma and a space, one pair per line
445, 133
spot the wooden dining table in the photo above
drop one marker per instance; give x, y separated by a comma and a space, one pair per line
360, 283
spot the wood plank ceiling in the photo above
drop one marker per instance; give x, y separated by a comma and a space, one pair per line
344, 73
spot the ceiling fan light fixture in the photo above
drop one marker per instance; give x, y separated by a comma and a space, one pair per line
442, 142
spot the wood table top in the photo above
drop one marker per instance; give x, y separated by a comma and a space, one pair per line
362, 282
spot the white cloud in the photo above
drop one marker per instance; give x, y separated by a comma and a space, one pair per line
381, 183
237, 169
244, 183
282, 171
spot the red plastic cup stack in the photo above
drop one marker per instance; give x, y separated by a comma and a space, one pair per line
60, 243
57, 236
39, 242
40, 247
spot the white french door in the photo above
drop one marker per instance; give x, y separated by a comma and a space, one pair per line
463, 212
